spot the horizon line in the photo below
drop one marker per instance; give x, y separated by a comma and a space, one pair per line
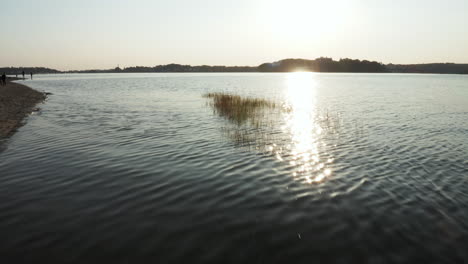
221, 65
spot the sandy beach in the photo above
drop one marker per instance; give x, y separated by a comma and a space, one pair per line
16, 102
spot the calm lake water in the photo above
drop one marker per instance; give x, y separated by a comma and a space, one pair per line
126, 168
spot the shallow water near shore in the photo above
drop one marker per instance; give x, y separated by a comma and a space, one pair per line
369, 168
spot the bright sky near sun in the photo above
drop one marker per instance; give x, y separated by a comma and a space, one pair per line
84, 34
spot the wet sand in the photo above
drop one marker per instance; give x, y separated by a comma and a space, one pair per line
16, 102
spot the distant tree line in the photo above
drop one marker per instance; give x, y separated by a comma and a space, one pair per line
445, 68
188, 68
174, 68
323, 65
27, 70
288, 65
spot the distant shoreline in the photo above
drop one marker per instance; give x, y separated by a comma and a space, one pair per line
286, 65
17, 101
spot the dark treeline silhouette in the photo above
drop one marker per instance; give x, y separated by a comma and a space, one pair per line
287, 65
445, 68
176, 68
203, 68
323, 65
34, 70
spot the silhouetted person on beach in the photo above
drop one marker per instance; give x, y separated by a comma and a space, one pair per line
3, 79
23, 75
31, 75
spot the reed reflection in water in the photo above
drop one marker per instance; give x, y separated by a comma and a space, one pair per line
293, 131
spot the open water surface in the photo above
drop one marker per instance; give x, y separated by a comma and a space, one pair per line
127, 168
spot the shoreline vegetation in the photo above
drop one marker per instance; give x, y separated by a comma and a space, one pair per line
288, 65
16, 102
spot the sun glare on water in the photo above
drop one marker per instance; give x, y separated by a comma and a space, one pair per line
301, 124
292, 130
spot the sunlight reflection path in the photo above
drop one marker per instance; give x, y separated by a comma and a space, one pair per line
295, 131
304, 130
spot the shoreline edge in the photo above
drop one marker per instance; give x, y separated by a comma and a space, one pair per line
17, 101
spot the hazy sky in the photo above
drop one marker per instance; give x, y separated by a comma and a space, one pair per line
81, 34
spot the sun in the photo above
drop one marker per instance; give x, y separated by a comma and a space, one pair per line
304, 18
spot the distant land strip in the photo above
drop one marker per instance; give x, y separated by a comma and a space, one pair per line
288, 65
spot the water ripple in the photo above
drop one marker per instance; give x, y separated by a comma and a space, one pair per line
133, 168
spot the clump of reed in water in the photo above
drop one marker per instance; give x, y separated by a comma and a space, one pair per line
236, 108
